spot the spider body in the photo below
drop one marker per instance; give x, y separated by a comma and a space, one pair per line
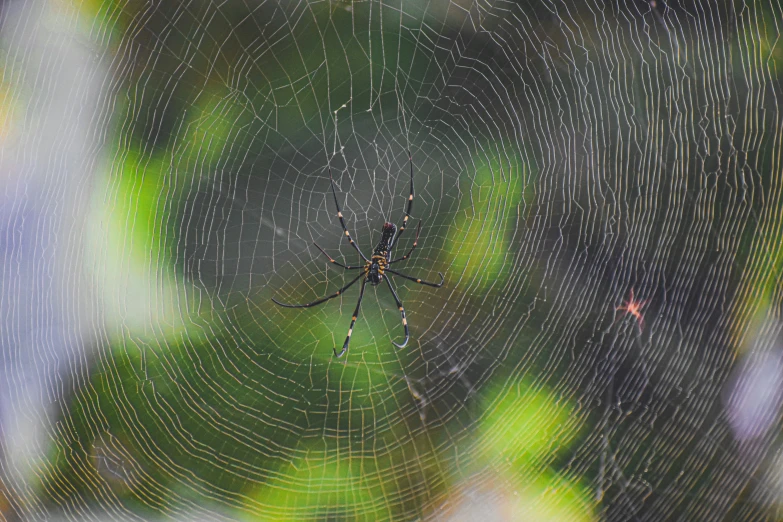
381, 256
634, 307
376, 268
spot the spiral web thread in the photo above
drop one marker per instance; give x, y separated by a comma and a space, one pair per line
567, 157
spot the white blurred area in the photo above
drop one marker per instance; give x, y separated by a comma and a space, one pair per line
755, 394
53, 89
752, 402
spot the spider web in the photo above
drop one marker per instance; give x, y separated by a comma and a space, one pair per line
578, 167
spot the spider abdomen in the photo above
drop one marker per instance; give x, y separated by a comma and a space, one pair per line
387, 240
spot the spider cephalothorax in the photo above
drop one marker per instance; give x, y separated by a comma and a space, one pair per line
375, 268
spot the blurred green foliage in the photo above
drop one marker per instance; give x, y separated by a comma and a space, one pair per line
479, 241
247, 404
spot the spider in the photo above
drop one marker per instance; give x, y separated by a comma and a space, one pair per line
374, 268
634, 308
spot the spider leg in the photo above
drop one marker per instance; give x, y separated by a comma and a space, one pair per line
415, 242
335, 262
416, 280
410, 203
402, 313
319, 301
342, 221
353, 322
617, 316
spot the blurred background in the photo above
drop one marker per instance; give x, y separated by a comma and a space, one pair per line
600, 183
